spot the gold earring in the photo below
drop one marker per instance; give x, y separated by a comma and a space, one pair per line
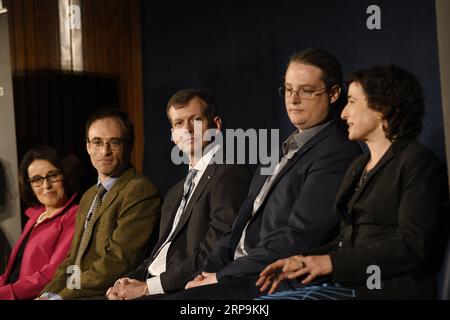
380, 121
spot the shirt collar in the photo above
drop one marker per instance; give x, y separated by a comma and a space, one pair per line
205, 160
299, 138
108, 184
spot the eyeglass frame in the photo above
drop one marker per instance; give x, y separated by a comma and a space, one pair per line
56, 173
283, 90
103, 143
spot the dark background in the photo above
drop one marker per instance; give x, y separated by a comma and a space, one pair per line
52, 107
238, 51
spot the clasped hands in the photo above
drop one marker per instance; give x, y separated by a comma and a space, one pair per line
288, 268
291, 268
202, 279
127, 289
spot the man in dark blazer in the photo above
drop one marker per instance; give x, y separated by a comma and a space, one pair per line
194, 216
292, 209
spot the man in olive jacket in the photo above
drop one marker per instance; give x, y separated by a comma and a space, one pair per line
116, 217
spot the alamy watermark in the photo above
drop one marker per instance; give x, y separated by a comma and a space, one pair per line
374, 20
237, 146
374, 280
74, 280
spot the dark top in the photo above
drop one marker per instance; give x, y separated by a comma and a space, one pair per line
298, 212
15, 271
393, 221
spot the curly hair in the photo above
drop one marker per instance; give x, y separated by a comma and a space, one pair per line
397, 95
69, 165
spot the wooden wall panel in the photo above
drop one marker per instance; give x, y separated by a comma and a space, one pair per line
111, 34
49, 100
134, 86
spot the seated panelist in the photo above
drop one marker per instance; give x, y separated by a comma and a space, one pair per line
48, 183
391, 204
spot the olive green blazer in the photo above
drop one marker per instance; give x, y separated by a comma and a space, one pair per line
123, 226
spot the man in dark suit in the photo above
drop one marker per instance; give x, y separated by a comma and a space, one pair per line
292, 209
197, 211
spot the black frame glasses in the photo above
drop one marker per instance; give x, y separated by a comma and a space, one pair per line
52, 177
98, 144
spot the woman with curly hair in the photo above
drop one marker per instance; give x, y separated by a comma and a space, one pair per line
49, 185
391, 204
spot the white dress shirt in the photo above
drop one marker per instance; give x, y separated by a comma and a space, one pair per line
158, 265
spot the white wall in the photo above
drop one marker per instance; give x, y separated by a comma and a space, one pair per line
10, 210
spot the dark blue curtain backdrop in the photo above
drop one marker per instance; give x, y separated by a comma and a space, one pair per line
238, 51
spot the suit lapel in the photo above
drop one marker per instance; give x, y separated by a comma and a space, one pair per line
258, 183
109, 197
388, 156
205, 179
245, 214
175, 199
322, 134
82, 212
167, 227
347, 189
112, 194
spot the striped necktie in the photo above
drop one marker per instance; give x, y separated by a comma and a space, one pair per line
187, 188
89, 223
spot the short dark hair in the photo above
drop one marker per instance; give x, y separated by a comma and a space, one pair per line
331, 72
182, 97
122, 117
397, 95
68, 164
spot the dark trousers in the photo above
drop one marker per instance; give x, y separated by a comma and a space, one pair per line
235, 289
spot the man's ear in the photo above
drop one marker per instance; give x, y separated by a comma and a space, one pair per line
335, 92
171, 135
217, 121
87, 148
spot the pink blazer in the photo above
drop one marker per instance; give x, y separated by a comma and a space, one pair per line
46, 248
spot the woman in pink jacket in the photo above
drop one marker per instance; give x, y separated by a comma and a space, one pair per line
48, 183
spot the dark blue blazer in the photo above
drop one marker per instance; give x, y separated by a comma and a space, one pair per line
297, 213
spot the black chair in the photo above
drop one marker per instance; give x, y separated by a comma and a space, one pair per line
443, 278
5, 251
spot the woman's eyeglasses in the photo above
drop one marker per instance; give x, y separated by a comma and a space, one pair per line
52, 176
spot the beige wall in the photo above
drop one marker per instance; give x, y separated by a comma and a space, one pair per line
443, 31
10, 210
